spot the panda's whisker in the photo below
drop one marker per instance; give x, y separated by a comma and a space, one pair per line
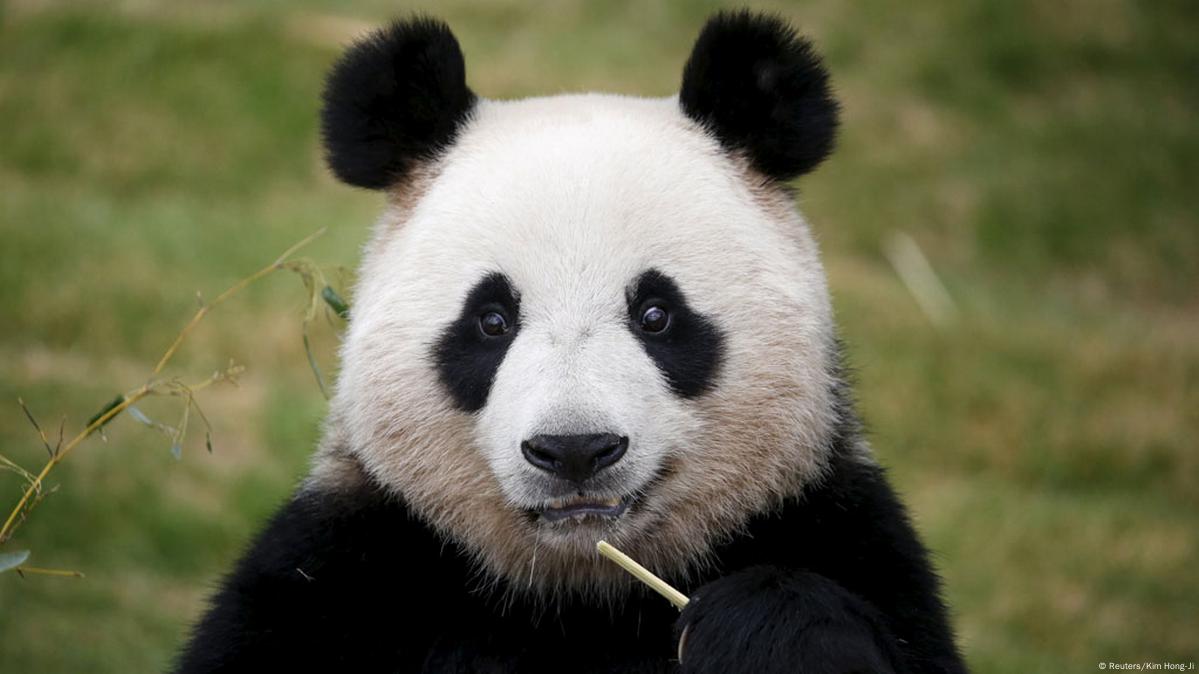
533, 561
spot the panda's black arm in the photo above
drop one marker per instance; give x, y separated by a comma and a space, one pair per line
321, 587
837, 579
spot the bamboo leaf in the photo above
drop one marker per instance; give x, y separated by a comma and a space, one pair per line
11, 560
140, 416
175, 434
137, 414
335, 302
112, 404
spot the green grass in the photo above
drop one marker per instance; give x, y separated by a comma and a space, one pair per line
1042, 154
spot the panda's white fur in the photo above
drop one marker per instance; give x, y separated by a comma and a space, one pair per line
585, 317
572, 197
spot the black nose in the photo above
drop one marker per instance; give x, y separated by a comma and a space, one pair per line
574, 457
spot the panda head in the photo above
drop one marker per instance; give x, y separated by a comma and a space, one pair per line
585, 316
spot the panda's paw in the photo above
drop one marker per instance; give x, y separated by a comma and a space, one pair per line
766, 620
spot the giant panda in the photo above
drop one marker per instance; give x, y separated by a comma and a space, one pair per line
585, 317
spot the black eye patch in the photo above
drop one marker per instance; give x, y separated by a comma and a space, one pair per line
689, 349
471, 349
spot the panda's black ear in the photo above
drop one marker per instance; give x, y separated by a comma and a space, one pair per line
395, 98
762, 91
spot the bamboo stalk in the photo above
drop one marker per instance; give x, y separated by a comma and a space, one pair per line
49, 572
643, 574
233, 290
127, 400
131, 397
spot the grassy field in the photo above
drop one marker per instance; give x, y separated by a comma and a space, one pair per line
1043, 155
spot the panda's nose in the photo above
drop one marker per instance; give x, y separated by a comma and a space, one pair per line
574, 457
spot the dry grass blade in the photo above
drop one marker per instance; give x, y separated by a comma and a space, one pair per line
29, 415
13, 467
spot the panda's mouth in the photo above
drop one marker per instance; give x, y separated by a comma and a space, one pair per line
581, 507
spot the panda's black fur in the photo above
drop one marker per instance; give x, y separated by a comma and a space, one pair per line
466, 359
691, 359
350, 580
394, 100
347, 577
761, 90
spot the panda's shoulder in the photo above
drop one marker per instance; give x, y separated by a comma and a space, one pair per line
839, 525
307, 579
335, 536
330, 552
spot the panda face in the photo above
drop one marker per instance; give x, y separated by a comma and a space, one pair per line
588, 323
573, 345
583, 317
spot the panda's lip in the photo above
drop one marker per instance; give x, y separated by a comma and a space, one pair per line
580, 507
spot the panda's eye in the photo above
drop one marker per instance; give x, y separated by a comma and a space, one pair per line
654, 318
493, 324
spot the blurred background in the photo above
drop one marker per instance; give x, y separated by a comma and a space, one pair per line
1040, 418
